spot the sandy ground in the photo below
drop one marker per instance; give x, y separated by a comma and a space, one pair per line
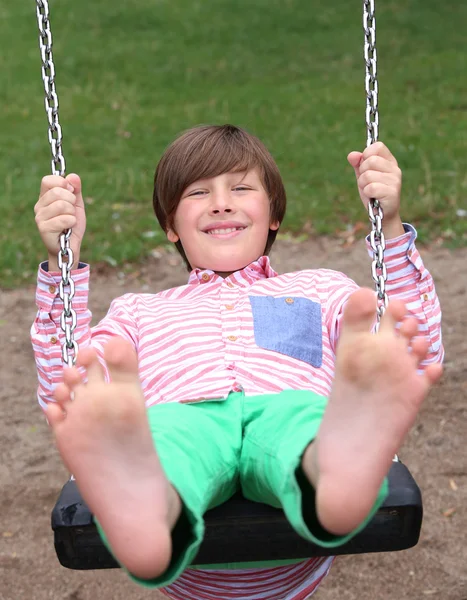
31, 473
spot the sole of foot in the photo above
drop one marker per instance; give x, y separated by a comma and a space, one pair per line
104, 439
376, 395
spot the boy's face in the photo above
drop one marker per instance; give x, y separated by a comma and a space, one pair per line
223, 222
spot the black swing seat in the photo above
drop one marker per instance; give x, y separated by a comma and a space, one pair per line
244, 531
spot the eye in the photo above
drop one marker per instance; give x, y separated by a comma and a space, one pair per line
241, 188
196, 193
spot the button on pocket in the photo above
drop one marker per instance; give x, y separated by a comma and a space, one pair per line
289, 325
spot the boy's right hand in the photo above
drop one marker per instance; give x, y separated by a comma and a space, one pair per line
60, 207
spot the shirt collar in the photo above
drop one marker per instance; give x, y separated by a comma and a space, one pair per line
259, 269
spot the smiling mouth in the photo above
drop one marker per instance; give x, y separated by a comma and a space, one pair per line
224, 231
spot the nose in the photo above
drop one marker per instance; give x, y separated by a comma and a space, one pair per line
221, 203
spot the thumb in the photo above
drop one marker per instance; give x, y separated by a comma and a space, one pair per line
354, 159
75, 181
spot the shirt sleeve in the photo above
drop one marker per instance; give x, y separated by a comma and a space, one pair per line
409, 280
47, 336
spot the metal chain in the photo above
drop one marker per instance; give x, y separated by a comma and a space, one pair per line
68, 318
375, 212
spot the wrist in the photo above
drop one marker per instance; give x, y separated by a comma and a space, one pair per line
393, 228
53, 262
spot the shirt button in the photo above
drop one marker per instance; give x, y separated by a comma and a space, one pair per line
230, 284
53, 340
289, 300
52, 289
205, 277
232, 338
229, 306
425, 297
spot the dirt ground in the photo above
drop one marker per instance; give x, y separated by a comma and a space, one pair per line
436, 451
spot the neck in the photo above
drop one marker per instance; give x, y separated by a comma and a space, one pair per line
225, 274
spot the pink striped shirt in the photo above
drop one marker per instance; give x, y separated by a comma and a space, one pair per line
200, 341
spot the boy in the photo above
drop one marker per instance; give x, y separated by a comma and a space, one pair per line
272, 383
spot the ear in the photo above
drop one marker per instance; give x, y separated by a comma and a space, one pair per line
172, 236
274, 226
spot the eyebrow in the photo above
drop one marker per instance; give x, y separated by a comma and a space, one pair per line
232, 174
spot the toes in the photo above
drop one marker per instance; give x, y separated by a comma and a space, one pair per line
433, 373
419, 348
63, 395
54, 414
360, 312
429, 377
394, 313
122, 361
72, 377
88, 359
409, 328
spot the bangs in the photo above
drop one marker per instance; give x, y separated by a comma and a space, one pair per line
216, 152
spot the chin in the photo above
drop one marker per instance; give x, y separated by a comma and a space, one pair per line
227, 266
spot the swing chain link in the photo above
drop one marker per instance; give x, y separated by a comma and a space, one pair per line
375, 211
68, 319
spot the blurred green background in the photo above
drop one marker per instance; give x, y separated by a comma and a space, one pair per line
132, 75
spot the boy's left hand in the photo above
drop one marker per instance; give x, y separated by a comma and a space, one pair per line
378, 176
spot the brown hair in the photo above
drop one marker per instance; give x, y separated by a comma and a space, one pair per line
208, 151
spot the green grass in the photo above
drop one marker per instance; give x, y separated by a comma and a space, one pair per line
132, 75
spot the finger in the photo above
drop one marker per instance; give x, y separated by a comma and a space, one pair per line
379, 149
57, 224
355, 159
368, 177
56, 208
53, 196
75, 181
380, 191
378, 163
51, 181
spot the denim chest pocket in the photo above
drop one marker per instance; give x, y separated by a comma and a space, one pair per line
289, 325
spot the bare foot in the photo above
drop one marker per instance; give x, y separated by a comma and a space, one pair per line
104, 439
374, 401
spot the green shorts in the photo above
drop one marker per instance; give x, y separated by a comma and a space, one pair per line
211, 449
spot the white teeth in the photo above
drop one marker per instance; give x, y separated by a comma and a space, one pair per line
226, 230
